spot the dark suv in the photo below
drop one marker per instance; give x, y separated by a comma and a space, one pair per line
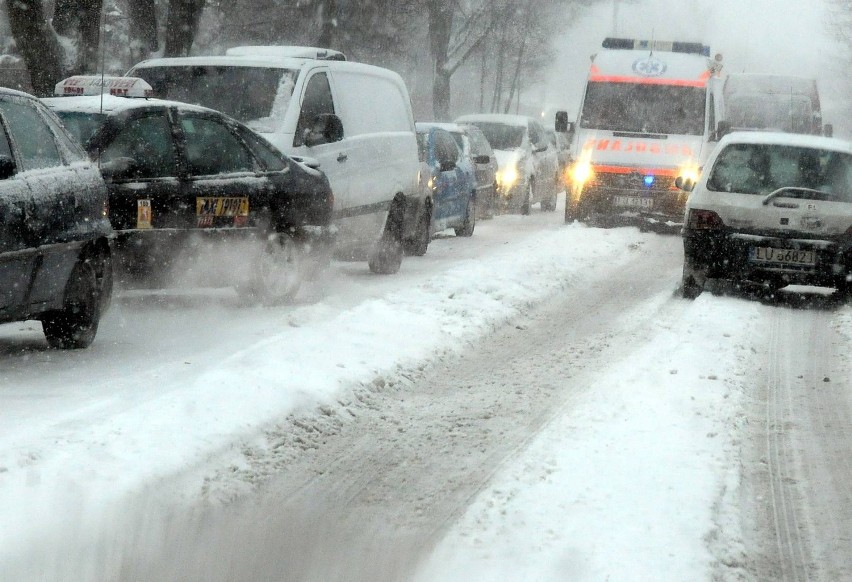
55, 263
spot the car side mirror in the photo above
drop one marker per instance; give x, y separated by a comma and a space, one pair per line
483, 159
828, 130
7, 167
723, 128
685, 184
447, 165
119, 169
327, 128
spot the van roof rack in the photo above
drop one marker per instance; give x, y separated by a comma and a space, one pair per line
693, 48
297, 52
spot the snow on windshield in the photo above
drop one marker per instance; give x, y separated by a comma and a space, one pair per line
644, 108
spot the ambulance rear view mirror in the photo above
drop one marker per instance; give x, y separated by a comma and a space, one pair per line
562, 124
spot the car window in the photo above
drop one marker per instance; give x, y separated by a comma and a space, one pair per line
479, 145
762, 168
423, 146
82, 125
5, 149
446, 148
317, 101
35, 141
265, 152
501, 136
211, 148
148, 141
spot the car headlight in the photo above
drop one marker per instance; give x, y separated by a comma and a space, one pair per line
508, 176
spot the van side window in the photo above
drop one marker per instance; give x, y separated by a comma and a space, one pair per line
317, 101
5, 150
36, 143
535, 135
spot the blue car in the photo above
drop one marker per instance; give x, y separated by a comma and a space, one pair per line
449, 183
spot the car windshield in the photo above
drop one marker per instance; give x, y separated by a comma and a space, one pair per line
641, 108
762, 169
215, 87
82, 125
502, 136
790, 113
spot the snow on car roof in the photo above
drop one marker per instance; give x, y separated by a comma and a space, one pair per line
296, 52
228, 60
111, 104
787, 139
504, 118
451, 127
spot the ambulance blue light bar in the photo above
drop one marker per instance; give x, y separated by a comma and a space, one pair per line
693, 48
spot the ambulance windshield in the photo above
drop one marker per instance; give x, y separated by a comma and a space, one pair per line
644, 108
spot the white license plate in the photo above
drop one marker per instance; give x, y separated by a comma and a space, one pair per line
773, 256
634, 201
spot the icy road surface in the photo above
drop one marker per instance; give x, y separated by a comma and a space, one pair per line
529, 404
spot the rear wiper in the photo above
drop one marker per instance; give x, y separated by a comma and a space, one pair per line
798, 192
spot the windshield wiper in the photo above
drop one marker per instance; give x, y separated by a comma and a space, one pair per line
798, 192
643, 134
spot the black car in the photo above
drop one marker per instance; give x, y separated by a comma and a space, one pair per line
194, 194
55, 261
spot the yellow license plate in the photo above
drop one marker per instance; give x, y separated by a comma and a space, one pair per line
221, 206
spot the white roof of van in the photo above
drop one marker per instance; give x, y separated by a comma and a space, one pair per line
296, 52
264, 62
787, 139
504, 118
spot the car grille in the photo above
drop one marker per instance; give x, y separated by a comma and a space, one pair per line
633, 181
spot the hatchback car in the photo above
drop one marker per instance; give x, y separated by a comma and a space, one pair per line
772, 209
528, 166
55, 263
475, 146
449, 186
195, 194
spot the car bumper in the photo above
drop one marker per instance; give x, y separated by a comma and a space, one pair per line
733, 255
653, 204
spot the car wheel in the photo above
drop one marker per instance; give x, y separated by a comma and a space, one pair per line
528, 197
469, 219
75, 326
420, 244
386, 257
689, 287
279, 270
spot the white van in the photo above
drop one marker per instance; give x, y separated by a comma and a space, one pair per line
354, 119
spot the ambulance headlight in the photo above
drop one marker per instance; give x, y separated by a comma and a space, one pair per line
581, 173
689, 173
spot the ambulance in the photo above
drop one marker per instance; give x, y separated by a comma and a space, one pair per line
648, 117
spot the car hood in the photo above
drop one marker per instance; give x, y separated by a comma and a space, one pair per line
507, 157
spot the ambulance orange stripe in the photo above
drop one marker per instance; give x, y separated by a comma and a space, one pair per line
601, 169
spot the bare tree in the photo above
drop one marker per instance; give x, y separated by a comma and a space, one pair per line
143, 28
80, 21
182, 26
37, 43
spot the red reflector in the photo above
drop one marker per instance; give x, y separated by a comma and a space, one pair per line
703, 220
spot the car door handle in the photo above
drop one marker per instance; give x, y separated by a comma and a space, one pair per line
342, 157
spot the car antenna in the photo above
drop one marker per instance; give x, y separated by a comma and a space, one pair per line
103, 66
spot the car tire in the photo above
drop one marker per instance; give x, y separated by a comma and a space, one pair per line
278, 271
528, 197
689, 287
386, 258
420, 244
76, 324
469, 219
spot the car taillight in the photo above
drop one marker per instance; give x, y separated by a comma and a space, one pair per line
703, 220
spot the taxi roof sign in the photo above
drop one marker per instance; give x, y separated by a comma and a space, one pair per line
98, 85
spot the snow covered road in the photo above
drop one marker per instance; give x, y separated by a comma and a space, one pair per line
529, 404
